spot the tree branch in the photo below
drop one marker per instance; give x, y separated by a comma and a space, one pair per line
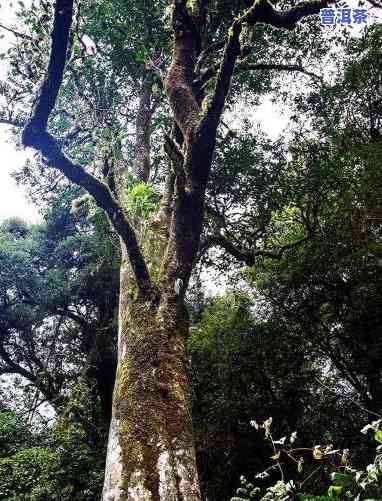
246, 256
17, 34
46, 99
279, 67
10, 121
13, 367
142, 161
215, 46
223, 81
263, 11
178, 83
174, 153
375, 3
36, 136
49, 148
210, 72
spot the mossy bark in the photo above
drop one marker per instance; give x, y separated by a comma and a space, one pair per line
151, 453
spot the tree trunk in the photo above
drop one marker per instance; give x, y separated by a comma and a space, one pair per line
151, 454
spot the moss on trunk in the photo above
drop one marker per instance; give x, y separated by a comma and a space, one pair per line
152, 400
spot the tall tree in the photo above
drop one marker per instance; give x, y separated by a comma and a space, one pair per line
151, 447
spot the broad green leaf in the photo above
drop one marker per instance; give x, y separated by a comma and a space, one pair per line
334, 491
342, 479
378, 436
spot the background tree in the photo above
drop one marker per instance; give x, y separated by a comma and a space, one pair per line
59, 292
329, 286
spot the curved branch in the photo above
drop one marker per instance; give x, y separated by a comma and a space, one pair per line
36, 136
48, 146
278, 67
50, 88
210, 72
375, 3
245, 256
263, 11
10, 121
14, 368
214, 46
17, 34
248, 257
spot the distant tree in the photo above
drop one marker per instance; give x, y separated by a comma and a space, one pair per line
329, 287
58, 297
59, 463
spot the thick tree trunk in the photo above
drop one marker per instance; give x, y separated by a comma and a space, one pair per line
151, 454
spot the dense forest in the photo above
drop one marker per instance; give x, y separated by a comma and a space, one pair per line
198, 313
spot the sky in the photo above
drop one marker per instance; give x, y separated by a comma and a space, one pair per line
13, 198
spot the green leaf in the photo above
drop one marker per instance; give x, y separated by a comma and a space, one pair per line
342, 479
378, 436
334, 491
139, 56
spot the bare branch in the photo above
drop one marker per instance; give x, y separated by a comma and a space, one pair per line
17, 34
14, 368
215, 46
279, 67
242, 255
375, 3
11, 121
245, 255
210, 72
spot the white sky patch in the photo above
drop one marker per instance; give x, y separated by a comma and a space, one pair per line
13, 198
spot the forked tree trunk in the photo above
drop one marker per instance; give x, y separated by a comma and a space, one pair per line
151, 454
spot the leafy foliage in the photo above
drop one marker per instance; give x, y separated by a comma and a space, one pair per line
346, 482
142, 200
61, 463
245, 365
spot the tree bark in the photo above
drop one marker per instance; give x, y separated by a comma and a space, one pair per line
142, 163
151, 454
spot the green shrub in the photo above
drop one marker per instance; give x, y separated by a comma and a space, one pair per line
346, 482
68, 464
30, 475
